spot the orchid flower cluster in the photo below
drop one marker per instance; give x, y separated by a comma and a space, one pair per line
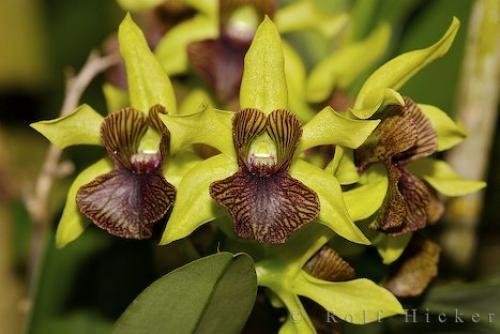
257, 177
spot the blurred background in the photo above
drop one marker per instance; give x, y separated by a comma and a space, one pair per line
84, 287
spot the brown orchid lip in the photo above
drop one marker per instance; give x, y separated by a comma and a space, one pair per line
404, 135
130, 199
266, 203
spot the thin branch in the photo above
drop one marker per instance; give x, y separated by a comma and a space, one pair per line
52, 168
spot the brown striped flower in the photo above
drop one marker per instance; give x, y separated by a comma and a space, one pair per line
220, 61
328, 265
404, 135
266, 203
130, 199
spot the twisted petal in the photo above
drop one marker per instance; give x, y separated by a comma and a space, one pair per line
327, 265
406, 134
417, 269
267, 209
409, 204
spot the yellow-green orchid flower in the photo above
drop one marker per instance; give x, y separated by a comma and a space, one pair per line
268, 137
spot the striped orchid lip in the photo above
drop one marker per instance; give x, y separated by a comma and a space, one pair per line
266, 203
404, 135
130, 199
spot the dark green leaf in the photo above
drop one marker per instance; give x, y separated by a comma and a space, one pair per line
214, 294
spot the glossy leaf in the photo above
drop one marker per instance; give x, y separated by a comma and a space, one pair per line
376, 91
358, 301
81, 127
147, 81
263, 84
333, 213
444, 179
208, 126
448, 132
214, 294
171, 51
115, 97
329, 127
346, 64
72, 223
194, 206
365, 200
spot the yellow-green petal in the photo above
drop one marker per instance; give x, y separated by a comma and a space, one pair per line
344, 65
138, 5
448, 132
333, 212
72, 223
81, 127
147, 81
304, 15
295, 74
394, 73
210, 126
193, 205
298, 321
443, 178
359, 301
390, 247
329, 127
342, 166
263, 84
115, 97
171, 51
365, 200
195, 101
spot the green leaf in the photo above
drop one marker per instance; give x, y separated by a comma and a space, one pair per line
359, 301
342, 166
214, 294
72, 223
365, 200
333, 213
193, 205
138, 5
393, 74
295, 74
448, 132
344, 65
171, 51
210, 126
81, 127
195, 101
443, 178
115, 97
263, 85
390, 248
147, 81
329, 127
